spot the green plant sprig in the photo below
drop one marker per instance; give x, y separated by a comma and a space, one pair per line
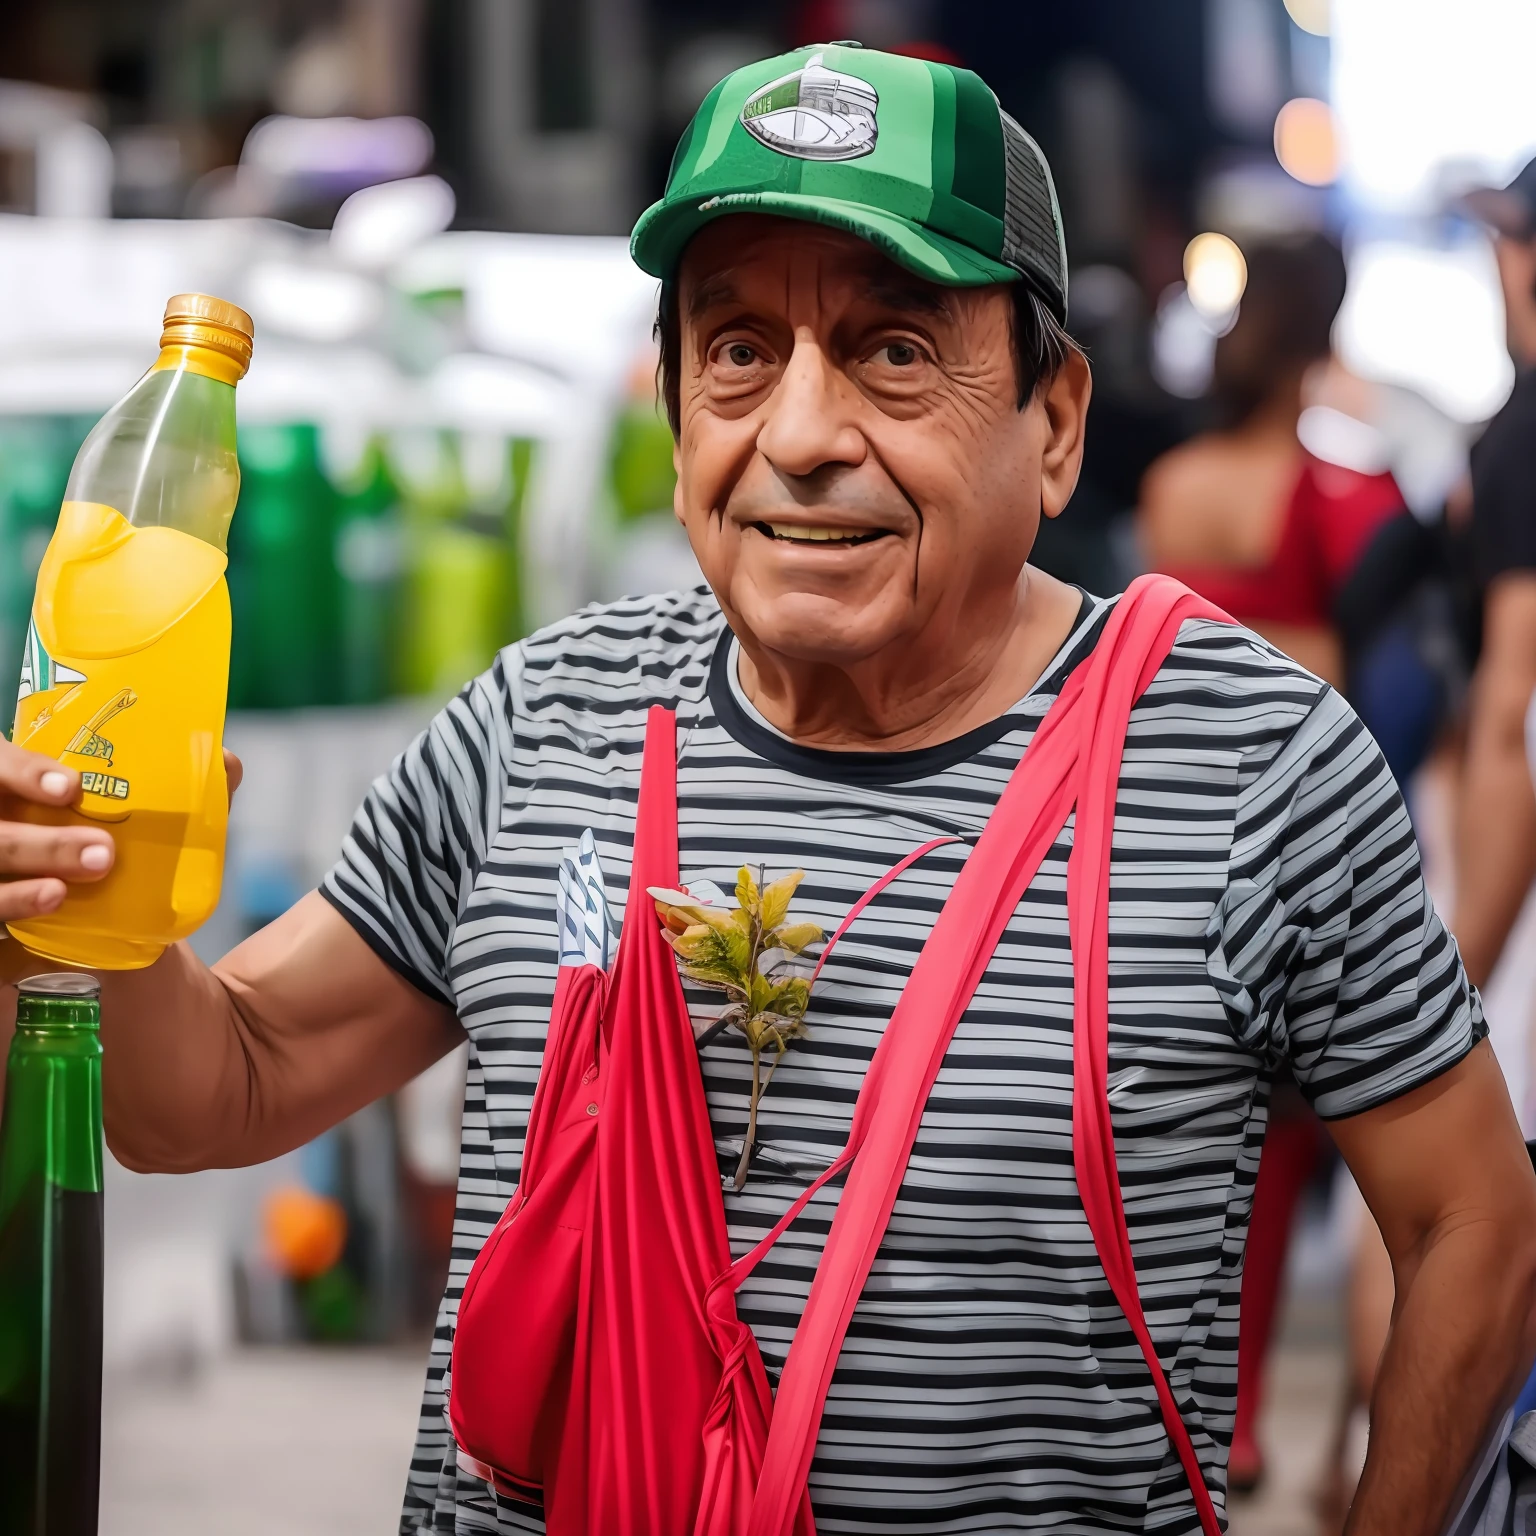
724, 948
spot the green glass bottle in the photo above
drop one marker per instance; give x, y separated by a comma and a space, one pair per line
283, 573
370, 553
51, 1262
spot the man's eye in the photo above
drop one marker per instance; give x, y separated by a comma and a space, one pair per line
899, 354
740, 355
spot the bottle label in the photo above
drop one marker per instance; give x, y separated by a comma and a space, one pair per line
105, 784
39, 671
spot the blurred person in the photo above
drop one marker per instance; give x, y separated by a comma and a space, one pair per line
874, 402
1496, 816
1252, 521
1244, 514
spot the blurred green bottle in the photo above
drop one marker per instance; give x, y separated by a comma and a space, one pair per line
36, 453
640, 472
51, 1262
282, 573
462, 498
369, 555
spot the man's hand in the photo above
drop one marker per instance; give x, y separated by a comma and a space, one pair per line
288, 1034
38, 862
1447, 1177
1496, 817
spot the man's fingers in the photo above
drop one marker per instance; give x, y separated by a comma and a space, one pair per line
29, 898
36, 777
65, 853
234, 771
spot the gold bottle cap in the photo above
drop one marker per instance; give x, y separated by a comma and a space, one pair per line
198, 320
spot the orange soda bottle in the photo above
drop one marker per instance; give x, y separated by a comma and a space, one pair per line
126, 669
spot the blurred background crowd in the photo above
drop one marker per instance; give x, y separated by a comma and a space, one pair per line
1303, 306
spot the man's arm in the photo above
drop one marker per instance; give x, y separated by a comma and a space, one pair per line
289, 1033
1446, 1175
1496, 816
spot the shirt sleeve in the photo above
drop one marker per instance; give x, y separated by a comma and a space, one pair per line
1326, 949
417, 842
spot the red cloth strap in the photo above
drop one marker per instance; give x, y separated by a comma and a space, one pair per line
1074, 759
899, 868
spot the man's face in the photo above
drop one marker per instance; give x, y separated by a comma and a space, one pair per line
854, 471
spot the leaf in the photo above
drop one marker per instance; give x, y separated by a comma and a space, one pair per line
775, 899
761, 993
797, 936
721, 979
679, 918
694, 944
722, 919
790, 997
747, 896
776, 963
737, 947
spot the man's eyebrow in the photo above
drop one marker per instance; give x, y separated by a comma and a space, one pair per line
895, 293
715, 289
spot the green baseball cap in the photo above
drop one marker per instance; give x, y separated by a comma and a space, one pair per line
913, 156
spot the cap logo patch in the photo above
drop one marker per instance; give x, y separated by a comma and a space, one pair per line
814, 114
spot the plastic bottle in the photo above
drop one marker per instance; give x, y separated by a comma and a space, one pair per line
127, 661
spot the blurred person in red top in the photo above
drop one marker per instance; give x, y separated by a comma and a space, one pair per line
1252, 521
1244, 514
1496, 817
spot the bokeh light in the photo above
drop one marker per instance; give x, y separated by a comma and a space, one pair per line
1314, 16
1307, 141
1215, 275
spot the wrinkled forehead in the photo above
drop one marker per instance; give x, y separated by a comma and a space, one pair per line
759, 262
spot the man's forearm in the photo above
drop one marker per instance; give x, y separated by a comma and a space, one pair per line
1496, 846
176, 1087
291, 1032
1496, 817
1449, 1371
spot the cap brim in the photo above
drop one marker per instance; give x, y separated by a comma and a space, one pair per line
665, 228
1501, 209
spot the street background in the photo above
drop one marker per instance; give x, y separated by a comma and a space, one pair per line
449, 436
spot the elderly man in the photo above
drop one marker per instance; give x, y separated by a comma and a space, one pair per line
863, 291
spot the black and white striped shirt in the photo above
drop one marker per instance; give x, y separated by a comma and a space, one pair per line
1266, 910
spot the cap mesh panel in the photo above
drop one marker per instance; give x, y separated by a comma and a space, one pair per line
1031, 241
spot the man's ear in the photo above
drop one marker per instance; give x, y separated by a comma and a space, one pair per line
1065, 404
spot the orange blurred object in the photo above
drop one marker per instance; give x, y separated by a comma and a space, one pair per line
1307, 141
304, 1232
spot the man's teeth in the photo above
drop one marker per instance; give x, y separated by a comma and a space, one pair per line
799, 531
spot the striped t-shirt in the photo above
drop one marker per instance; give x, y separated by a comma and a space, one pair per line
1266, 911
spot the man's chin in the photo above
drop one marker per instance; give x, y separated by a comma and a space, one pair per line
818, 627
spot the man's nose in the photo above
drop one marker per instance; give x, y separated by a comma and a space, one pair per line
809, 415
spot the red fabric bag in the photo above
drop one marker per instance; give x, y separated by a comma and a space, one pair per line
598, 1360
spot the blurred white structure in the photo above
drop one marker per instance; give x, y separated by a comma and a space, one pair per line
1426, 89
1429, 319
74, 173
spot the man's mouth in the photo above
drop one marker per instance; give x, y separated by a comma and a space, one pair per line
802, 533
